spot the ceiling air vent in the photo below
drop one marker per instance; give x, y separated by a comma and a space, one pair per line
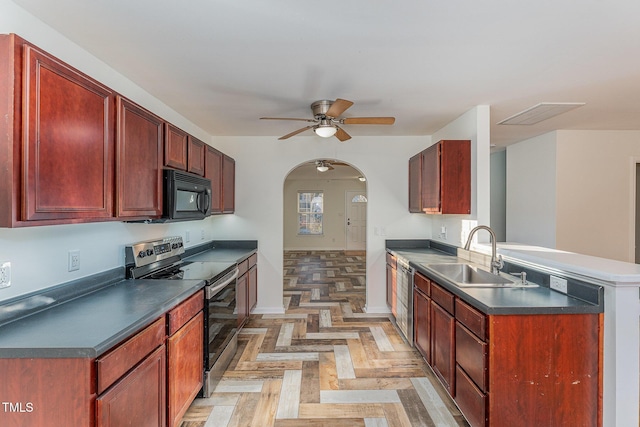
540, 112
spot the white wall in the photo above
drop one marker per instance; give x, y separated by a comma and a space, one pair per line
575, 191
596, 192
531, 191
499, 194
474, 126
383, 160
334, 216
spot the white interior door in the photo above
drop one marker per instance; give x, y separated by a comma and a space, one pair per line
356, 208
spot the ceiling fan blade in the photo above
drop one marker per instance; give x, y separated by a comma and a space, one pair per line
295, 132
368, 120
342, 135
338, 107
288, 118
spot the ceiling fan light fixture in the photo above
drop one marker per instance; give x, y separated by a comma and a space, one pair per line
322, 168
325, 129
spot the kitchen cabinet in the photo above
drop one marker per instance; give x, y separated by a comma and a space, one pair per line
443, 337
392, 284
213, 171
253, 282
415, 183
139, 162
185, 356
440, 178
228, 184
471, 363
138, 399
246, 288
57, 150
422, 315
502, 369
195, 156
131, 381
175, 147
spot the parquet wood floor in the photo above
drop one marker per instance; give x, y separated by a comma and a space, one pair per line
324, 362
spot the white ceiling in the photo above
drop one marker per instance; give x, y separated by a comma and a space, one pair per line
224, 63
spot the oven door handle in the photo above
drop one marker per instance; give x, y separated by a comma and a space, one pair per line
211, 291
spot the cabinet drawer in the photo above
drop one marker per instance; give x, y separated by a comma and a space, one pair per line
471, 355
391, 260
185, 311
253, 260
474, 320
442, 297
422, 283
125, 356
471, 401
243, 267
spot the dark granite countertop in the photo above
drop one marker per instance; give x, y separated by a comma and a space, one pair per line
87, 317
90, 325
530, 300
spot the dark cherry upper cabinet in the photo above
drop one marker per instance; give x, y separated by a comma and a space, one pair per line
440, 178
68, 142
195, 156
228, 184
213, 171
415, 183
138, 161
175, 147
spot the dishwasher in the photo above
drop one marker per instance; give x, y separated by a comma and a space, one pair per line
404, 299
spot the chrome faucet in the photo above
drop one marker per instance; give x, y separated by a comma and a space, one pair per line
496, 261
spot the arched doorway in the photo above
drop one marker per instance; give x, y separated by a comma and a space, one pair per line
324, 232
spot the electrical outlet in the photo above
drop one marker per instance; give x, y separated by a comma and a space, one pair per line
74, 260
5, 274
187, 236
558, 284
202, 234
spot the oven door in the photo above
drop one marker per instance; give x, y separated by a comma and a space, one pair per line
221, 319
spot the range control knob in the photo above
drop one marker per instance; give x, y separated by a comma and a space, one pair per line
149, 252
142, 254
175, 246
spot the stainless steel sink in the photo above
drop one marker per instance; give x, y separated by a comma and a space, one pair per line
471, 276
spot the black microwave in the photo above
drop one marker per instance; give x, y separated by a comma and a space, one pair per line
186, 196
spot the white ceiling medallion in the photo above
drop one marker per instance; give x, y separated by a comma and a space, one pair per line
540, 112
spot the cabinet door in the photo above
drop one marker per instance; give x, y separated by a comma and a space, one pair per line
139, 161
175, 147
431, 179
195, 156
138, 399
442, 346
228, 184
213, 171
415, 183
253, 287
455, 176
184, 368
69, 142
422, 324
242, 299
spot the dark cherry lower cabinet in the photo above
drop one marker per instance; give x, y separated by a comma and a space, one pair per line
422, 316
185, 356
512, 370
148, 380
139, 398
246, 288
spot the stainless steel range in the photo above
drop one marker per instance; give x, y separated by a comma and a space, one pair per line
161, 259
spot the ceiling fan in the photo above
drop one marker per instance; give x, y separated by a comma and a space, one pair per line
327, 165
326, 120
